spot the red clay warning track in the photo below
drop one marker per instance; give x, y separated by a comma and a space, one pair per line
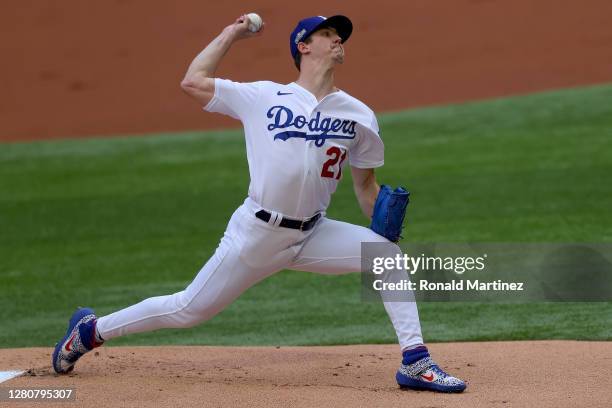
72, 68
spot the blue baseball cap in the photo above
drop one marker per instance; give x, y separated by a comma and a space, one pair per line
309, 25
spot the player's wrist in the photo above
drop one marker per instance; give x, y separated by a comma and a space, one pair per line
229, 34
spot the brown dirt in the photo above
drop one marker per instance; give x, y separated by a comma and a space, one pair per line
499, 374
72, 68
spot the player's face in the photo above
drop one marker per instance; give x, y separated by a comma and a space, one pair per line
326, 45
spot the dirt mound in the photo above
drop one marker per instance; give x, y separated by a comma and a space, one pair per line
517, 374
74, 68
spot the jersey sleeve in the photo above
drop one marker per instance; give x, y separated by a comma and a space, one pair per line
369, 151
234, 99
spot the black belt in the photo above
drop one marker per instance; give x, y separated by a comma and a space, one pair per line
290, 223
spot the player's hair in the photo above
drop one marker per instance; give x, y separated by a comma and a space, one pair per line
298, 57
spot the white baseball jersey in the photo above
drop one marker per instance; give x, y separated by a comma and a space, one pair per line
297, 146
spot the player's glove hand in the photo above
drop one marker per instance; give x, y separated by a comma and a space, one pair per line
389, 212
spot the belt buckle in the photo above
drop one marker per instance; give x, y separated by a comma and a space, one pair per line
302, 224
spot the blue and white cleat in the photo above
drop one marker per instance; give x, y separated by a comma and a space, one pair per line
426, 375
79, 339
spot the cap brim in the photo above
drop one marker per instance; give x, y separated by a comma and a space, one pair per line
342, 24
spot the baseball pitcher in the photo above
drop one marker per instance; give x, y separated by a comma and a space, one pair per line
300, 137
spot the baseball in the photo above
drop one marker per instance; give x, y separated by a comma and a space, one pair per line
254, 22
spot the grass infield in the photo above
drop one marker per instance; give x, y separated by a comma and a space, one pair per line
108, 222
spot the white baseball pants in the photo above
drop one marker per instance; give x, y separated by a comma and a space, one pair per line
250, 251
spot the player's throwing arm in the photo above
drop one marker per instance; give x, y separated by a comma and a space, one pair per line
199, 80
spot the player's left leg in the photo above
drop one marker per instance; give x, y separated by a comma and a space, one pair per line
334, 247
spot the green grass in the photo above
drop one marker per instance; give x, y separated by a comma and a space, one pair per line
108, 222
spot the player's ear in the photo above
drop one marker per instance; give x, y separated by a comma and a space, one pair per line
303, 48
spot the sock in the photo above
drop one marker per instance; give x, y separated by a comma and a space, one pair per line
413, 355
98, 338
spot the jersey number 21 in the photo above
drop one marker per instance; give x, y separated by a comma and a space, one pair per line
336, 154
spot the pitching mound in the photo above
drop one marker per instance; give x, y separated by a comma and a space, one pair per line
543, 374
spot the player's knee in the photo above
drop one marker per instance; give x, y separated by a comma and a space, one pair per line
190, 317
184, 314
374, 237
195, 313
384, 246
390, 250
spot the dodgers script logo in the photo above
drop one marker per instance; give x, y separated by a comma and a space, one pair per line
318, 129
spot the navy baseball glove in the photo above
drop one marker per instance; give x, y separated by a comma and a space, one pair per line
389, 212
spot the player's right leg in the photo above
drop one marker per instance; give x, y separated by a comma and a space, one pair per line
247, 253
232, 269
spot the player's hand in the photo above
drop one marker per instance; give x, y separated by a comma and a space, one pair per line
239, 30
